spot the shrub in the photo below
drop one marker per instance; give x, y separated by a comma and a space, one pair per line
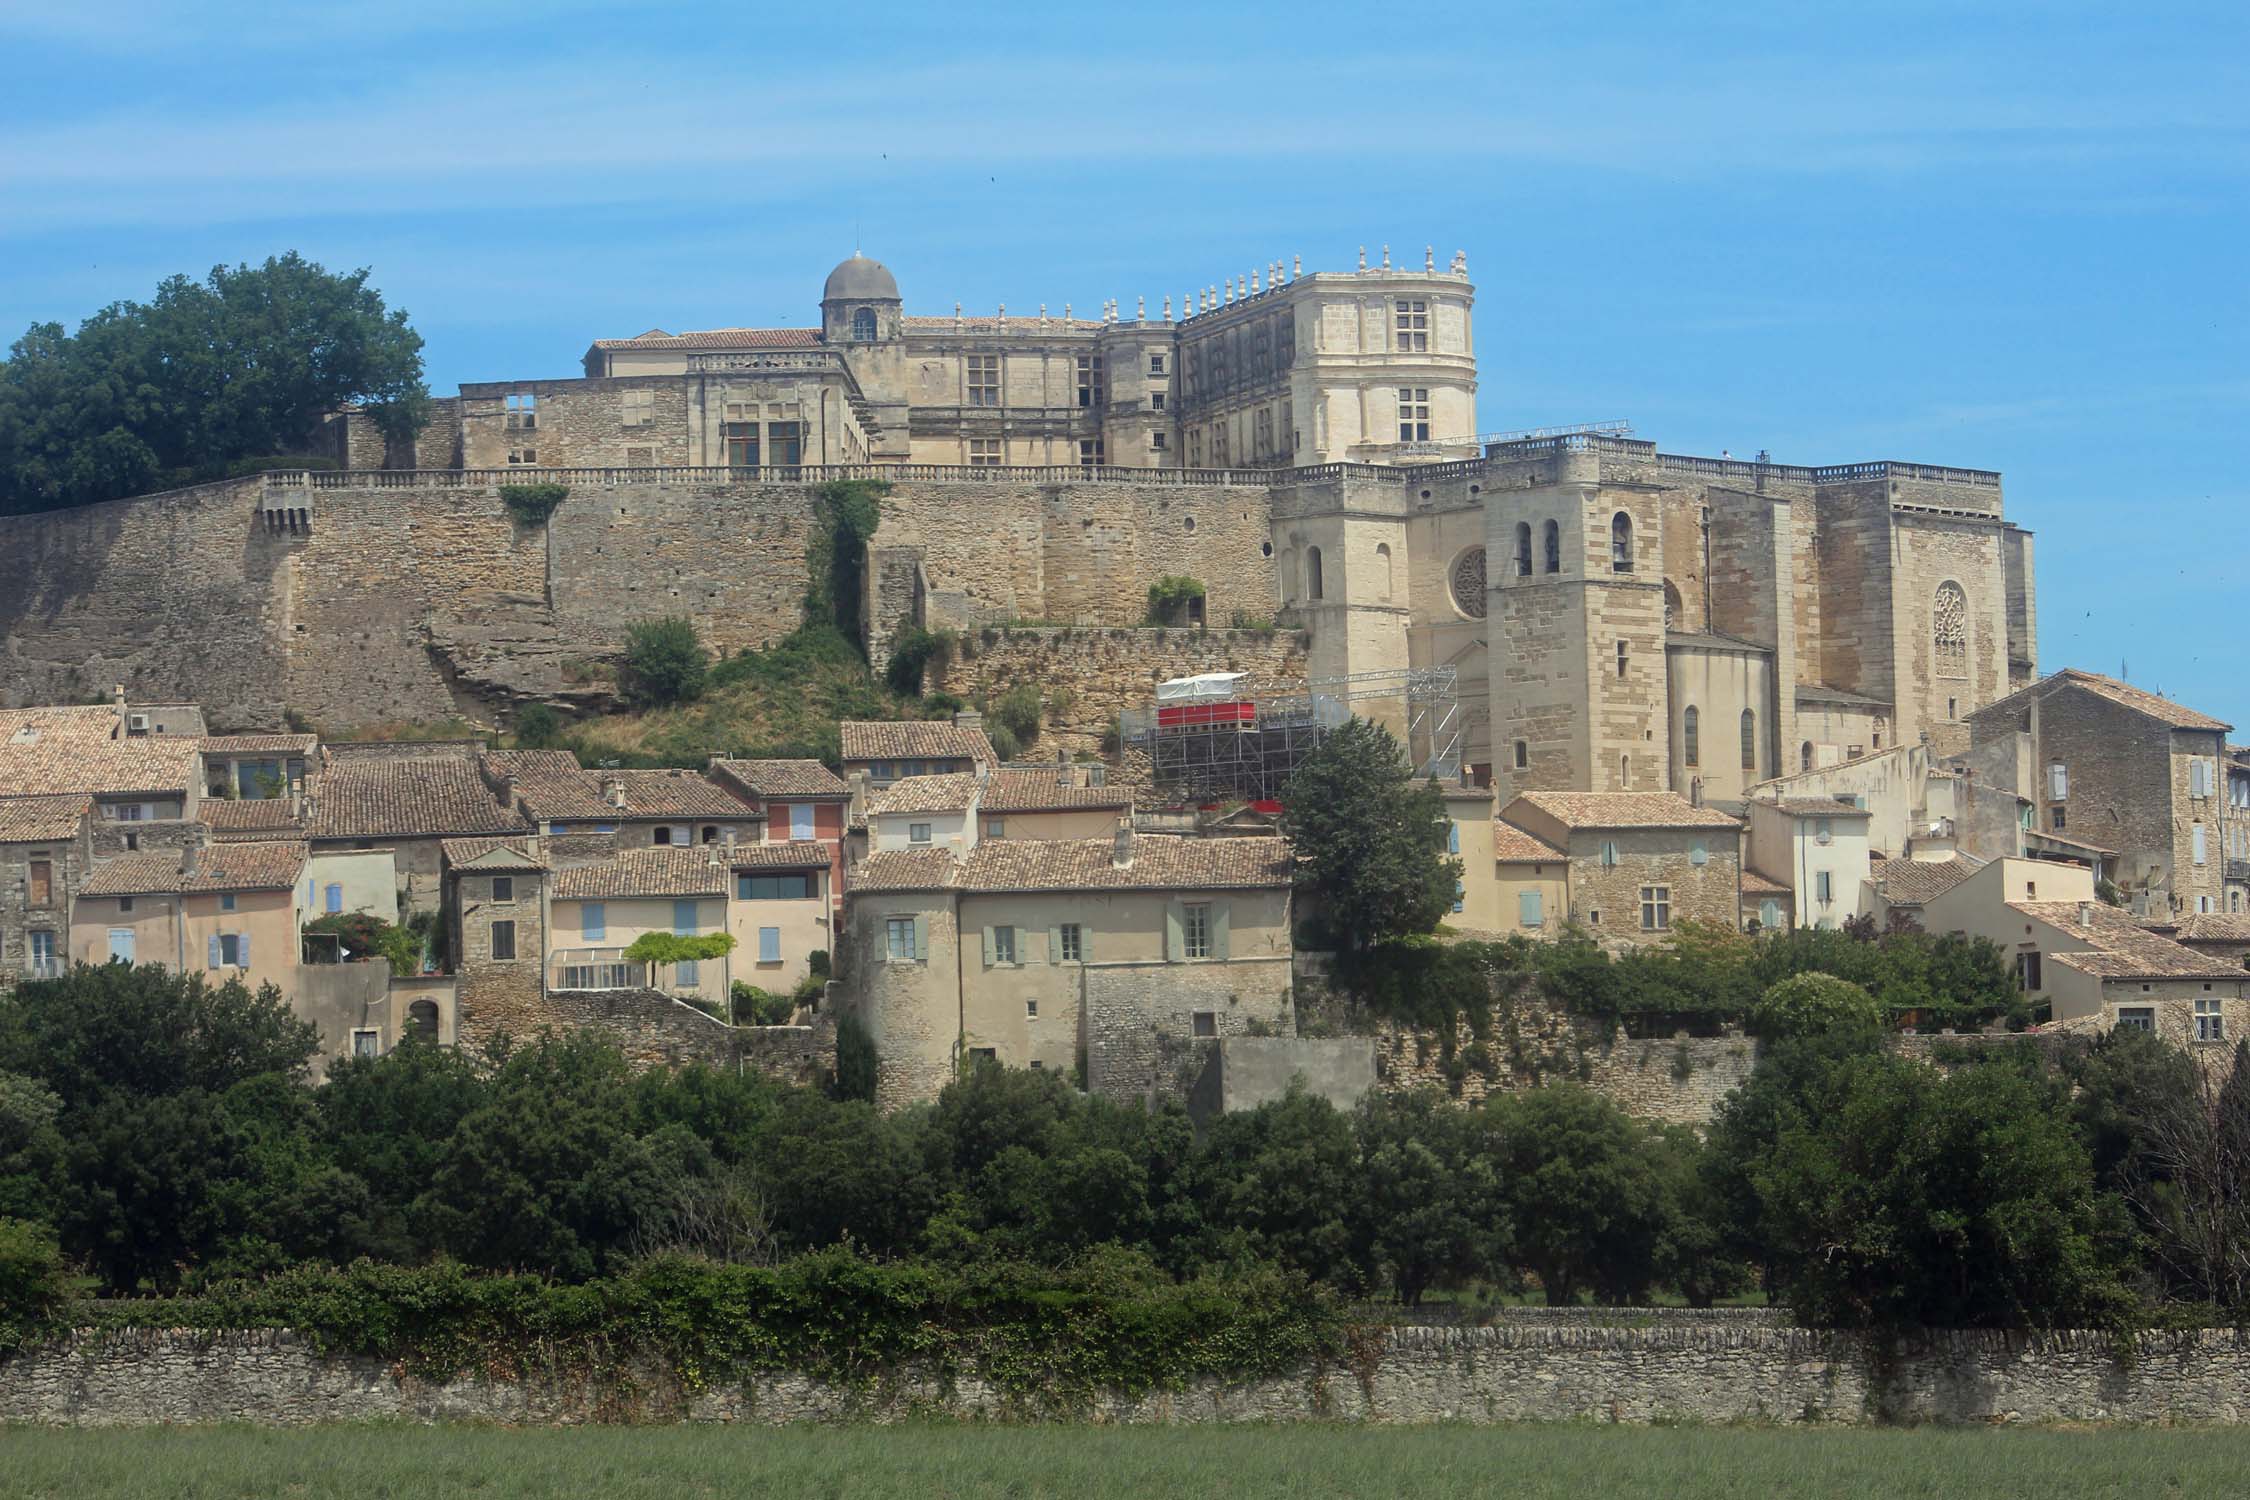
757, 1007
911, 655
35, 1283
363, 932
1804, 1004
532, 504
855, 1060
538, 727
1173, 600
1017, 712
665, 662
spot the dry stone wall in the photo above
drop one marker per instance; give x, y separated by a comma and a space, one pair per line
1673, 1370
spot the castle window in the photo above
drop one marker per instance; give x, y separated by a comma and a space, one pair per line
1090, 453
1222, 444
984, 379
1749, 740
1261, 435
523, 457
1468, 583
1625, 772
1156, 364
523, 411
1413, 327
863, 325
1312, 573
1553, 543
785, 442
1090, 380
1523, 754
739, 432
1804, 756
1156, 401
1691, 737
984, 453
1195, 448
1413, 414
1621, 543
1623, 657
1949, 630
1674, 613
1157, 440
637, 409
1523, 549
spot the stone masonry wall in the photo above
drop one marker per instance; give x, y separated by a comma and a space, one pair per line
1106, 671
1714, 1369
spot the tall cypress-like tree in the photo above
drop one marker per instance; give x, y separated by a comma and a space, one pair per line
1370, 843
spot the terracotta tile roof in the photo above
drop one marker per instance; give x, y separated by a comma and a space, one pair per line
2123, 694
1159, 862
1914, 882
1514, 845
2120, 947
661, 871
925, 794
219, 867
915, 739
719, 338
783, 778
1625, 810
427, 797
40, 820
259, 744
253, 818
522, 853
2215, 927
903, 870
50, 750
552, 786
1754, 884
801, 854
1817, 807
1038, 791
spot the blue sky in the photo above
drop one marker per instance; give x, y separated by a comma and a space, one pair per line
2005, 236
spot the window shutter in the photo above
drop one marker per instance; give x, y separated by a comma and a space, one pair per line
1219, 929
988, 947
921, 938
1054, 945
1174, 943
214, 951
242, 949
2199, 843
1531, 907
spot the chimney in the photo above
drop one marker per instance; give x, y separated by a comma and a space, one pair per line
191, 857
117, 701
1121, 849
859, 785
968, 718
2086, 914
613, 791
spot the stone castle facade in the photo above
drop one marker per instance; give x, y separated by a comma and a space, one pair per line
1618, 617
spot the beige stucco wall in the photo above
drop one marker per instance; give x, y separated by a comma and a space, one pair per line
803, 926
1789, 849
175, 932
628, 917
1078, 823
369, 880
948, 830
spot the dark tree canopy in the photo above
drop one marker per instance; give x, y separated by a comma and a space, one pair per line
1370, 844
202, 377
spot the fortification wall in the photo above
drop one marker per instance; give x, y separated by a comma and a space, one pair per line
1705, 1369
397, 596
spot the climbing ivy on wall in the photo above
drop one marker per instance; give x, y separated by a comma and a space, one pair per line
845, 515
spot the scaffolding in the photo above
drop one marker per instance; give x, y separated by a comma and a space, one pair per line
1224, 738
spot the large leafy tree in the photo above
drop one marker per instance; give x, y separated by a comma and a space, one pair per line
202, 376
1431, 1206
1370, 843
1579, 1178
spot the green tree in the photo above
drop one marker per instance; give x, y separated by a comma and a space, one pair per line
31, 1148
147, 1031
1430, 1207
1902, 1196
538, 727
665, 663
1806, 1003
1369, 843
239, 365
1588, 1209
1277, 1184
35, 1282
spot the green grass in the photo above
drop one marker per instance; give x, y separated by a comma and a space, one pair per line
1087, 1463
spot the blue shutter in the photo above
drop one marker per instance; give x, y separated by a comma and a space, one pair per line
593, 921
769, 945
683, 918
214, 951
335, 897
242, 950
1531, 908
1453, 842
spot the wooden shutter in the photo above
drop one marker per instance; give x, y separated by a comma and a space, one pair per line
214, 945
1175, 943
242, 949
988, 947
1054, 945
921, 938
1219, 929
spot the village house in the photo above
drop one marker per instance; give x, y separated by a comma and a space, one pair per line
2124, 769
803, 802
231, 911
1905, 887
597, 910
46, 853
256, 767
409, 806
583, 814
2087, 961
1816, 850
1635, 863
888, 752
1045, 954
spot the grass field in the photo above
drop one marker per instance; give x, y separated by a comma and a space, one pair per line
1584, 1463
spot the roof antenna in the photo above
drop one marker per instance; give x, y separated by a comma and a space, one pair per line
855, 237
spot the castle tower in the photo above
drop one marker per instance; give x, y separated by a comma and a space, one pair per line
861, 318
1577, 673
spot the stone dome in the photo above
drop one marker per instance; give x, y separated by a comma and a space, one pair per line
860, 279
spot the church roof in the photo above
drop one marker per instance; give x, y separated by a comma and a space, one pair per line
861, 277
2123, 694
719, 338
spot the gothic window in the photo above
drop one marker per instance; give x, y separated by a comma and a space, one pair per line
1523, 549
1749, 740
1554, 547
1949, 629
1621, 543
1674, 615
1468, 583
863, 325
1691, 737
1312, 572
1804, 756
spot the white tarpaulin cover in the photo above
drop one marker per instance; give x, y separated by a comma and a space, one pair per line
1207, 687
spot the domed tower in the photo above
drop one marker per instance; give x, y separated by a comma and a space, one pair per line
860, 305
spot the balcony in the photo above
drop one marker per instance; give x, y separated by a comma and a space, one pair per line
2238, 872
